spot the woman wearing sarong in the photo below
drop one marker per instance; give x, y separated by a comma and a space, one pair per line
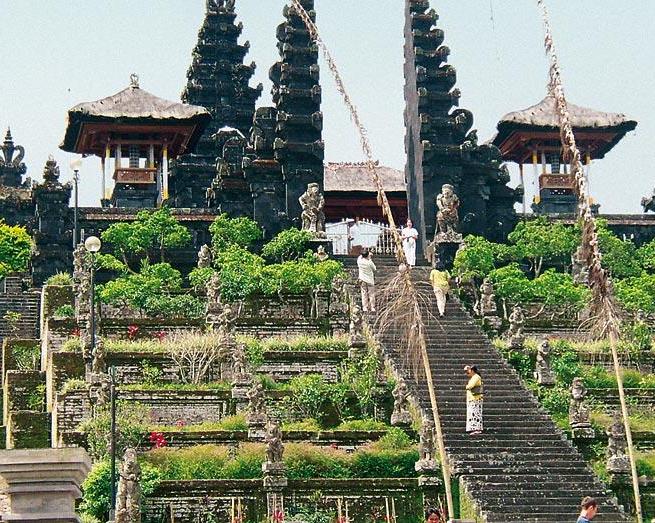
474, 394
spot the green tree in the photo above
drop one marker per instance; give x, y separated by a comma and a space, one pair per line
619, 256
151, 234
287, 245
512, 285
557, 288
637, 292
15, 248
240, 232
646, 256
539, 241
475, 260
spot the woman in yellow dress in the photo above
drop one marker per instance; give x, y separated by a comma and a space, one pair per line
474, 395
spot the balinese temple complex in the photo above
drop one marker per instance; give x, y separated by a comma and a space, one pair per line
532, 136
216, 152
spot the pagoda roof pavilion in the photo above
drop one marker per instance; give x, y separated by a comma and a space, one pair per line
133, 111
522, 132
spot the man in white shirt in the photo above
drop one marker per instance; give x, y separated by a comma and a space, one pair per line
367, 280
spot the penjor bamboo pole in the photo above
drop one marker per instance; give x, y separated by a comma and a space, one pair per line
602, 290
386, 209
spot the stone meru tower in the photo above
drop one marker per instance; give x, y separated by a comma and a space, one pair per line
296, 93
218, 80
441, 147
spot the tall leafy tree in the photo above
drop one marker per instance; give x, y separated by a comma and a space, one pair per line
15, 248
538, 241
150, 235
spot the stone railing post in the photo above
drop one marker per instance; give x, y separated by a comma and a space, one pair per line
43, 484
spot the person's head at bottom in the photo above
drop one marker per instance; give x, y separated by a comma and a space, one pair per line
433, 516
588, 508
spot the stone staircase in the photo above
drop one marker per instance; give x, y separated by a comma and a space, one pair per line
27, 303
521, 468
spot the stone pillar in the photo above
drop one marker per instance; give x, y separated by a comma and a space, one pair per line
43, 484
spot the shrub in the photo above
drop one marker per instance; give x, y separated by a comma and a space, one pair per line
363, 424
305, 461
312, 396
15, 248
240, 273
74, 384
95, 488
228, 232
131, 425
394, 439
637, 293
289, 244
199, 277
566, 366
60, 279
191, 463
195, 354
360, 376
309, 424
370, 463
475, 260
557, 288
511, 284
65, 311
26, 355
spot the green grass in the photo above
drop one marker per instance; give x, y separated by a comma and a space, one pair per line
182, 387
229, 424
641, 419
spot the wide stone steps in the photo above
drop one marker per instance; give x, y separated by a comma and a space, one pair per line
521, 468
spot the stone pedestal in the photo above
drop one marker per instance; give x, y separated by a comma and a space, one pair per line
256, 426
274, 476
240, 387
582, 431
445, 249
43, 484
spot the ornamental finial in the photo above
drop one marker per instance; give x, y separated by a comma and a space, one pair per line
134, 81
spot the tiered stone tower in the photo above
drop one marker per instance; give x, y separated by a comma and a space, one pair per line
217, 80
298, 144
264, 174
441, 147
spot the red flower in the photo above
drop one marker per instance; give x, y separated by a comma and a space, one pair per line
278, 516
160, 335
76, 332
158, 440
132, 331
180, 423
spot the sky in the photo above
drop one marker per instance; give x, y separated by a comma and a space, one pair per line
57, 53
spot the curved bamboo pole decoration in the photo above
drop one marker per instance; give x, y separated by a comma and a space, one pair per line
403, 278
604, 309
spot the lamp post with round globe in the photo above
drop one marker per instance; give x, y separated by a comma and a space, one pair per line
75, 166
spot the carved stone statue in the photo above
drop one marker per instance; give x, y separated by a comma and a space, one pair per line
617, 447
213, 288
339, 298
487, 304
579, 269
579, 412
239, 365
516, 325
99, 389
256, 402
85, 341
648, 203
401, 416
320, 254
82, 282
274, 446
543, 373
356, 338
204, 257
99, 365
426, 448
128, 496
313, 217
448, 216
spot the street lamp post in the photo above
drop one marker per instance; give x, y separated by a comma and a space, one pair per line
112, 443
93, 244
75, 166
